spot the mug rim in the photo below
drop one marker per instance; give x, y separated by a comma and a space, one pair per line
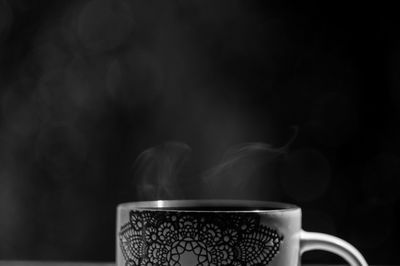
176, 205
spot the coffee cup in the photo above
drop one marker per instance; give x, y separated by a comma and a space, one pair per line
219, 232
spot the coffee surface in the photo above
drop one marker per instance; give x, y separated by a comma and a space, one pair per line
217, 208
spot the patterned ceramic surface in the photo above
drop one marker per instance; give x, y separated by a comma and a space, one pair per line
203, 239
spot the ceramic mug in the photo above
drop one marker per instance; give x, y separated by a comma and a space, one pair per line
218, 232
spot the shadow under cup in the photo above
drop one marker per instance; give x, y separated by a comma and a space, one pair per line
218, 232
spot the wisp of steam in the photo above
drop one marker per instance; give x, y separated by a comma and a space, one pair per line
245, 171
157, 170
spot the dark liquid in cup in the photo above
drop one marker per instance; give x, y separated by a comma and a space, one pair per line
220, 208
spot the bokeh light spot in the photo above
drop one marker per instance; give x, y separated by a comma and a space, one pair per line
62, 150
105, 24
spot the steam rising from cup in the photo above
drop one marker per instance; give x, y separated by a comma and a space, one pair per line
243, 169
157, 170
247, 171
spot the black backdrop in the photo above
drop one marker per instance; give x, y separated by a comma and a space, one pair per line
86, 86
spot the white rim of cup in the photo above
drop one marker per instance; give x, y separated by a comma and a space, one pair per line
177, 205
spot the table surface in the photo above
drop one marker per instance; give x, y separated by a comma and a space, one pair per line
53, 263
66, 263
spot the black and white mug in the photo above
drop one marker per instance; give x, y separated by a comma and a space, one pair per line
218, 232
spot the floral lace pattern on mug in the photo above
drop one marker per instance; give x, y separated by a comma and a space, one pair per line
154, 238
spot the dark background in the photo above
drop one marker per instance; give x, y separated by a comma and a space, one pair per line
86, 86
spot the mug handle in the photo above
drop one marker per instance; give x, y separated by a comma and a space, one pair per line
319, 241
